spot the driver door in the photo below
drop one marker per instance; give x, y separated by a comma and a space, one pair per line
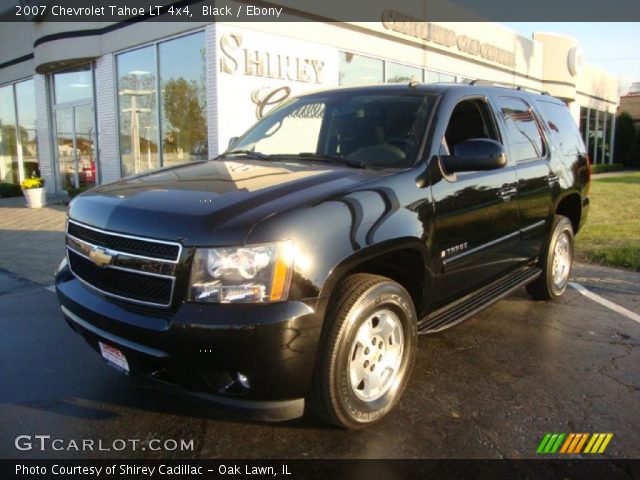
476, 213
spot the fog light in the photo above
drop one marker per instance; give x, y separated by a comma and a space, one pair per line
243, 380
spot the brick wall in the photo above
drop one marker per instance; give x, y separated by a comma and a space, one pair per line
211, 42
44, 132
107, 121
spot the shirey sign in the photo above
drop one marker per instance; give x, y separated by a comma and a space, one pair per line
257, 71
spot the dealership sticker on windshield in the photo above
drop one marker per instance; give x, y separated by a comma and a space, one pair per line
114, 357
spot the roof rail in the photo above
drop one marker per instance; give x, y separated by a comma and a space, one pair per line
479, 81
506, 85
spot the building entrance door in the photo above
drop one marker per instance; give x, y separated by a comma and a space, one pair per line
75, 140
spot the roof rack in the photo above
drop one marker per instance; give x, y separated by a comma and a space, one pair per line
480, 81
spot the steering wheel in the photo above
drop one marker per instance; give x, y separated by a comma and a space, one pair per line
400, 142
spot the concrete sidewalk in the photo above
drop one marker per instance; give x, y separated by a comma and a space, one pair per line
31, 240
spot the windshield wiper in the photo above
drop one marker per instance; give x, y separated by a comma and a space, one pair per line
333, 159
248, 153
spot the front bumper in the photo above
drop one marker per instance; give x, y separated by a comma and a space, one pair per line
201, 348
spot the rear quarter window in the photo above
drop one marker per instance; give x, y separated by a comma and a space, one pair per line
563, 127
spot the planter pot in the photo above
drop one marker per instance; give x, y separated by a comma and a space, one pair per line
35, 197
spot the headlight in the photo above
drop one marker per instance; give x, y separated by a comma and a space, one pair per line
252, 274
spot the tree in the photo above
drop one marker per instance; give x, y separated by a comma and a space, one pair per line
625, 133
186, 115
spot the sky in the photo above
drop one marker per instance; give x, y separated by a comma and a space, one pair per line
612, 47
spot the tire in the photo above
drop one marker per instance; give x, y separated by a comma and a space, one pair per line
347, 389
556, 262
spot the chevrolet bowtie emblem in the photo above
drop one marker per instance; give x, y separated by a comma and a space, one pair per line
100, 257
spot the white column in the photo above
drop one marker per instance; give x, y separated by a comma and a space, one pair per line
45, 133
587, 128
612, 139
595, 138
605, 114
107, 118
211, 55
18, 141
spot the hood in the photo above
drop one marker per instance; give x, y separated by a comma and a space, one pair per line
190, 202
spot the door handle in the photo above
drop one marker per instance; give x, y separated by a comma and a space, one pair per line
507, 193
551, 179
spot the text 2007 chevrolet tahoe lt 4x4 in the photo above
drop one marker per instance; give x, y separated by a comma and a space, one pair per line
303, 262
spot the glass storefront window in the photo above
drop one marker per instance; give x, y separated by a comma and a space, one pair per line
359, 70
73, 85
398, 73
18, 149
434, 77
183, 100
162, 104
8, 141
431, 77
137, 97
583, 123
25, 99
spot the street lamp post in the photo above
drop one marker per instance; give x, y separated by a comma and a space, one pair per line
134, 93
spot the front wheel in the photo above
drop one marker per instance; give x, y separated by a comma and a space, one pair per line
368, 351
556, 262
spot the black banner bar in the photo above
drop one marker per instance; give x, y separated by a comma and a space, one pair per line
320, 469
312, 10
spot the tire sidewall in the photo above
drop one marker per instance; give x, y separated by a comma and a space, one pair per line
563, 224
386, 295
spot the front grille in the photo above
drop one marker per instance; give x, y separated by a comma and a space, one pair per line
125, 244
123, 284
131, 269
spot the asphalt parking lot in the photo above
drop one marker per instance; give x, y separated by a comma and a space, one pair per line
488, 388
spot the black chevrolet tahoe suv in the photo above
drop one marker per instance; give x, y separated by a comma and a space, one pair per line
300, 265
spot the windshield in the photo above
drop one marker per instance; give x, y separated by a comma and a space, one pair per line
371, 130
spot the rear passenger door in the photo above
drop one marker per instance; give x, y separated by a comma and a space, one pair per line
529, 153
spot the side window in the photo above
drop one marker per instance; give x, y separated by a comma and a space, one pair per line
523, 132
563, 128
469, 119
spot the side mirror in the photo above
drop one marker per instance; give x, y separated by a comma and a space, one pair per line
232, 140
476, 154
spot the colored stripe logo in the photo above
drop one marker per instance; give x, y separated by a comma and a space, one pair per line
574, 443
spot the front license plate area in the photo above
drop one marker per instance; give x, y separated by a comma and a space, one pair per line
114, 357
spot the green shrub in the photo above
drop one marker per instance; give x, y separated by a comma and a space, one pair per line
72, 191
606, 167
10, 190
625, 133
634, 151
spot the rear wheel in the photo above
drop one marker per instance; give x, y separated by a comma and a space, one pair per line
368, 351
555, 262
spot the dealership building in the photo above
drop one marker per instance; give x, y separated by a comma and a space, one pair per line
84, 104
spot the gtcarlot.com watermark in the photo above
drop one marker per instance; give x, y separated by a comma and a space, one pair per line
45, 443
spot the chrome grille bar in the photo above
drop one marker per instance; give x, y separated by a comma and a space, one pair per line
102, 257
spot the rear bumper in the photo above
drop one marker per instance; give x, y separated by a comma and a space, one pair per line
201, 348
